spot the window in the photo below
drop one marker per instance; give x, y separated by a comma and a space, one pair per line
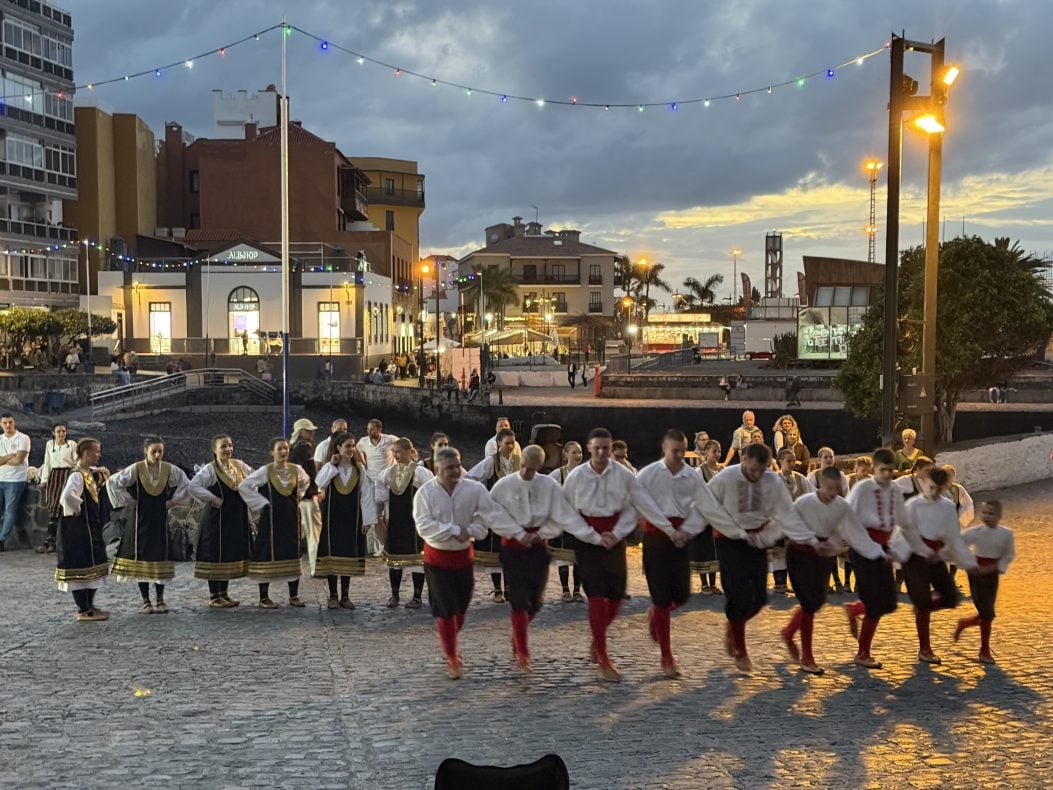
860, 296
23, 37
195, 221
60, 107
595, 275
23, 92
595, 302
328, 327
389, 186
389, 220
559, 272
824, 297
60, 159
420, 190
243, 319
195, 181
62, 270
23, 151
161, 327
559, 301
530, 273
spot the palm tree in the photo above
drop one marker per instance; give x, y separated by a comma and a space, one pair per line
648, 276
701, 292
499, 291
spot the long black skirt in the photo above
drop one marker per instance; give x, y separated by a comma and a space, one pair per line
876, 585
744, 574
603, 571
984, 590
667, 569
526, 574
703, 552
923, 578
449, 591
810, 576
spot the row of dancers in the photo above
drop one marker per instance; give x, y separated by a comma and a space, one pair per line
434, 519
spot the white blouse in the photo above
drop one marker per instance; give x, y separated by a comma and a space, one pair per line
536, 504
206, 477
58, 456
763, 508
249, 487
117, 486
439, 515
615, 491
328, 473
421, 475
836, 521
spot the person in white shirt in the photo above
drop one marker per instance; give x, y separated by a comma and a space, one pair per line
151, 488
503, 423
14, 472
375, 448
60, 456
742, 436
321, 451
797, 485
449, 511
963, 502
272, 494
831, 519
994, 548
609, 498
827, 459
934, 538
536, 510
760, 512
620, 454
878, 504
503, 463
563, 548
682, 494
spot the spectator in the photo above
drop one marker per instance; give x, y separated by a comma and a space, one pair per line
793, 391
131, 361
268, 370
14, 473
170, 368
378, 377
261, 366
743, 435
781, 431
72, 360
572, 373
727, 386
115, 369
473, 385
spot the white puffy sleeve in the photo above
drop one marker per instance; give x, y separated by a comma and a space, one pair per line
72, 496
117, 486
249, 490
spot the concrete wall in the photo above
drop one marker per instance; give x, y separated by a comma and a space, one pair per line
1001, 464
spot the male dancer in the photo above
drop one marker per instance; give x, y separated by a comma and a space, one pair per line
449, 511
536, 511
608, 496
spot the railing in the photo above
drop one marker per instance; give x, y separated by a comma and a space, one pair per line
143, 392
595, 279
557, 307
595, 308
42, 230
397, 197
537, 279
668, 360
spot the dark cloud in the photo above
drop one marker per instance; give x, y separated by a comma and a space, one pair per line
607, 172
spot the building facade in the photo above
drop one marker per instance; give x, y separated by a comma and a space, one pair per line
38, 248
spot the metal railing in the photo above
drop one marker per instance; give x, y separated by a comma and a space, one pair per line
668, 360
142, 392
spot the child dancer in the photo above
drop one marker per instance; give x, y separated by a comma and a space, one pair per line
403, 547
994, 548
80, 552
562, 547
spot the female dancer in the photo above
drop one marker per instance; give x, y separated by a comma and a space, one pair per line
403, 547
224, 540
437, 442
60, 456
154, 486
272, 494
81, 553
563, 547
348, 512
702, 548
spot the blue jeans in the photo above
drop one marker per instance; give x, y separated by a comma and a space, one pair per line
10, 499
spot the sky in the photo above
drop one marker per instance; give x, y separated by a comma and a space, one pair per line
682, 187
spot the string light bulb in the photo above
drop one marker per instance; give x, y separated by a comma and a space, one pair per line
639, 108
157, 72
800, 82
504, 100
540, 102
705, 103
674, 106
398, 72
189, 64
361, 60
829, 73
324, 45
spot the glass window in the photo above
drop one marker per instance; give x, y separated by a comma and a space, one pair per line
389, 220
860, 296
595, 299
389, 186
824, 297
842, 296
559, 301
329, 327
243, 319
195, 181
559, 272
161, 327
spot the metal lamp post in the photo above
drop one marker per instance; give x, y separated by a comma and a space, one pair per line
424, 269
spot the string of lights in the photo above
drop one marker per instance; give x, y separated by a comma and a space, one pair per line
504, 97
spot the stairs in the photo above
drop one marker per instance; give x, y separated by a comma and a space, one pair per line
131, 397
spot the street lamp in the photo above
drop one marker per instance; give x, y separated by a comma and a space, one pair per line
629, 347
425, 268
872, 166
735, 253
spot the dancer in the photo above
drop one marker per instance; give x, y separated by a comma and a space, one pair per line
80, 552
60, 456
403, 547
757, 512
703, 548
564, 546
934, 536
620, 453
608, 496
963, 503
502, 423
224, 538
666, 560
879, 507
862, 469
449, 510
348, 512
437, 441
994, 549
504, 462
827, 460
909, 485
831, 519
797, 485
154, 486
272, 493
536, 510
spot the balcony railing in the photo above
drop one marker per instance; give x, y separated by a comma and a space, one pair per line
555, 307
595, 308
355, 206
40, 230
541, 279
595, 279
396, 197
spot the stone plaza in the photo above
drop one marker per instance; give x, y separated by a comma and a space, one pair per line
319, 698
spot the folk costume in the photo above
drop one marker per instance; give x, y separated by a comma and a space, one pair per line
272, 496
667, 566
879, 508
440, 517
703, 549
797, 485
403, 547
934, 537
59, 460
224, 538
80, 552
144, 555
831, 523
488, 550
348, 510
608, 501
563, 548
537, 508
993, 548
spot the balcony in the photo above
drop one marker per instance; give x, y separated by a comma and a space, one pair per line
595, 308
38, 230
595, 279
395, 197
355, 206
535, 307
527, 278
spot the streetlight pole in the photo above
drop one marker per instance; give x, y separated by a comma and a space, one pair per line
872, 167
735, 253
421, 271
890, 362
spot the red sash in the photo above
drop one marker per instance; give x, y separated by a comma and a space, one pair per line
879, 536
807, 548
514, 545
750, 531
602, 523
983, 562
449, 560
935, 545
651, 529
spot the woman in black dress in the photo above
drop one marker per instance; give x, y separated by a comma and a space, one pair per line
82, 565
437, 442
403, 547
703, 549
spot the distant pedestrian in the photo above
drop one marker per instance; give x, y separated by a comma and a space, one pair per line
726, 386
572, 374
14, 473
793, 391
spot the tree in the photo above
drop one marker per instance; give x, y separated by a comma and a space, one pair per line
647, 277
71, 326
499, 291
25, 329
992, 315
701, 292
755, 297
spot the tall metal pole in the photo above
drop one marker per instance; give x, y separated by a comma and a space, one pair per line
438, 318
285, 237
890, 361
928, 438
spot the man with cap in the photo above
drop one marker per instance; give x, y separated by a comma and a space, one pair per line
321, 449
301, 452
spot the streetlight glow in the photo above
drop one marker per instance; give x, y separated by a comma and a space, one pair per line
873, 165
950, 74
929, 124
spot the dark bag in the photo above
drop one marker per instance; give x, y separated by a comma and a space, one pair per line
180, 549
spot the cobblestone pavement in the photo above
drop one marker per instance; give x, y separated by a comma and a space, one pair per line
314, 698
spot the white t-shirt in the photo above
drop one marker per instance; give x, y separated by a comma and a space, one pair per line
16, 443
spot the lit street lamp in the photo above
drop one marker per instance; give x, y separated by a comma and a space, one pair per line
735, 253
629, 347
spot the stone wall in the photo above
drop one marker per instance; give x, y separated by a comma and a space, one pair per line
1001, 464
388, 400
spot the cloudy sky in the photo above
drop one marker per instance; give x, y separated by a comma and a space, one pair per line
682, 187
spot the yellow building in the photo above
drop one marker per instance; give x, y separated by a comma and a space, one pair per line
396, 197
